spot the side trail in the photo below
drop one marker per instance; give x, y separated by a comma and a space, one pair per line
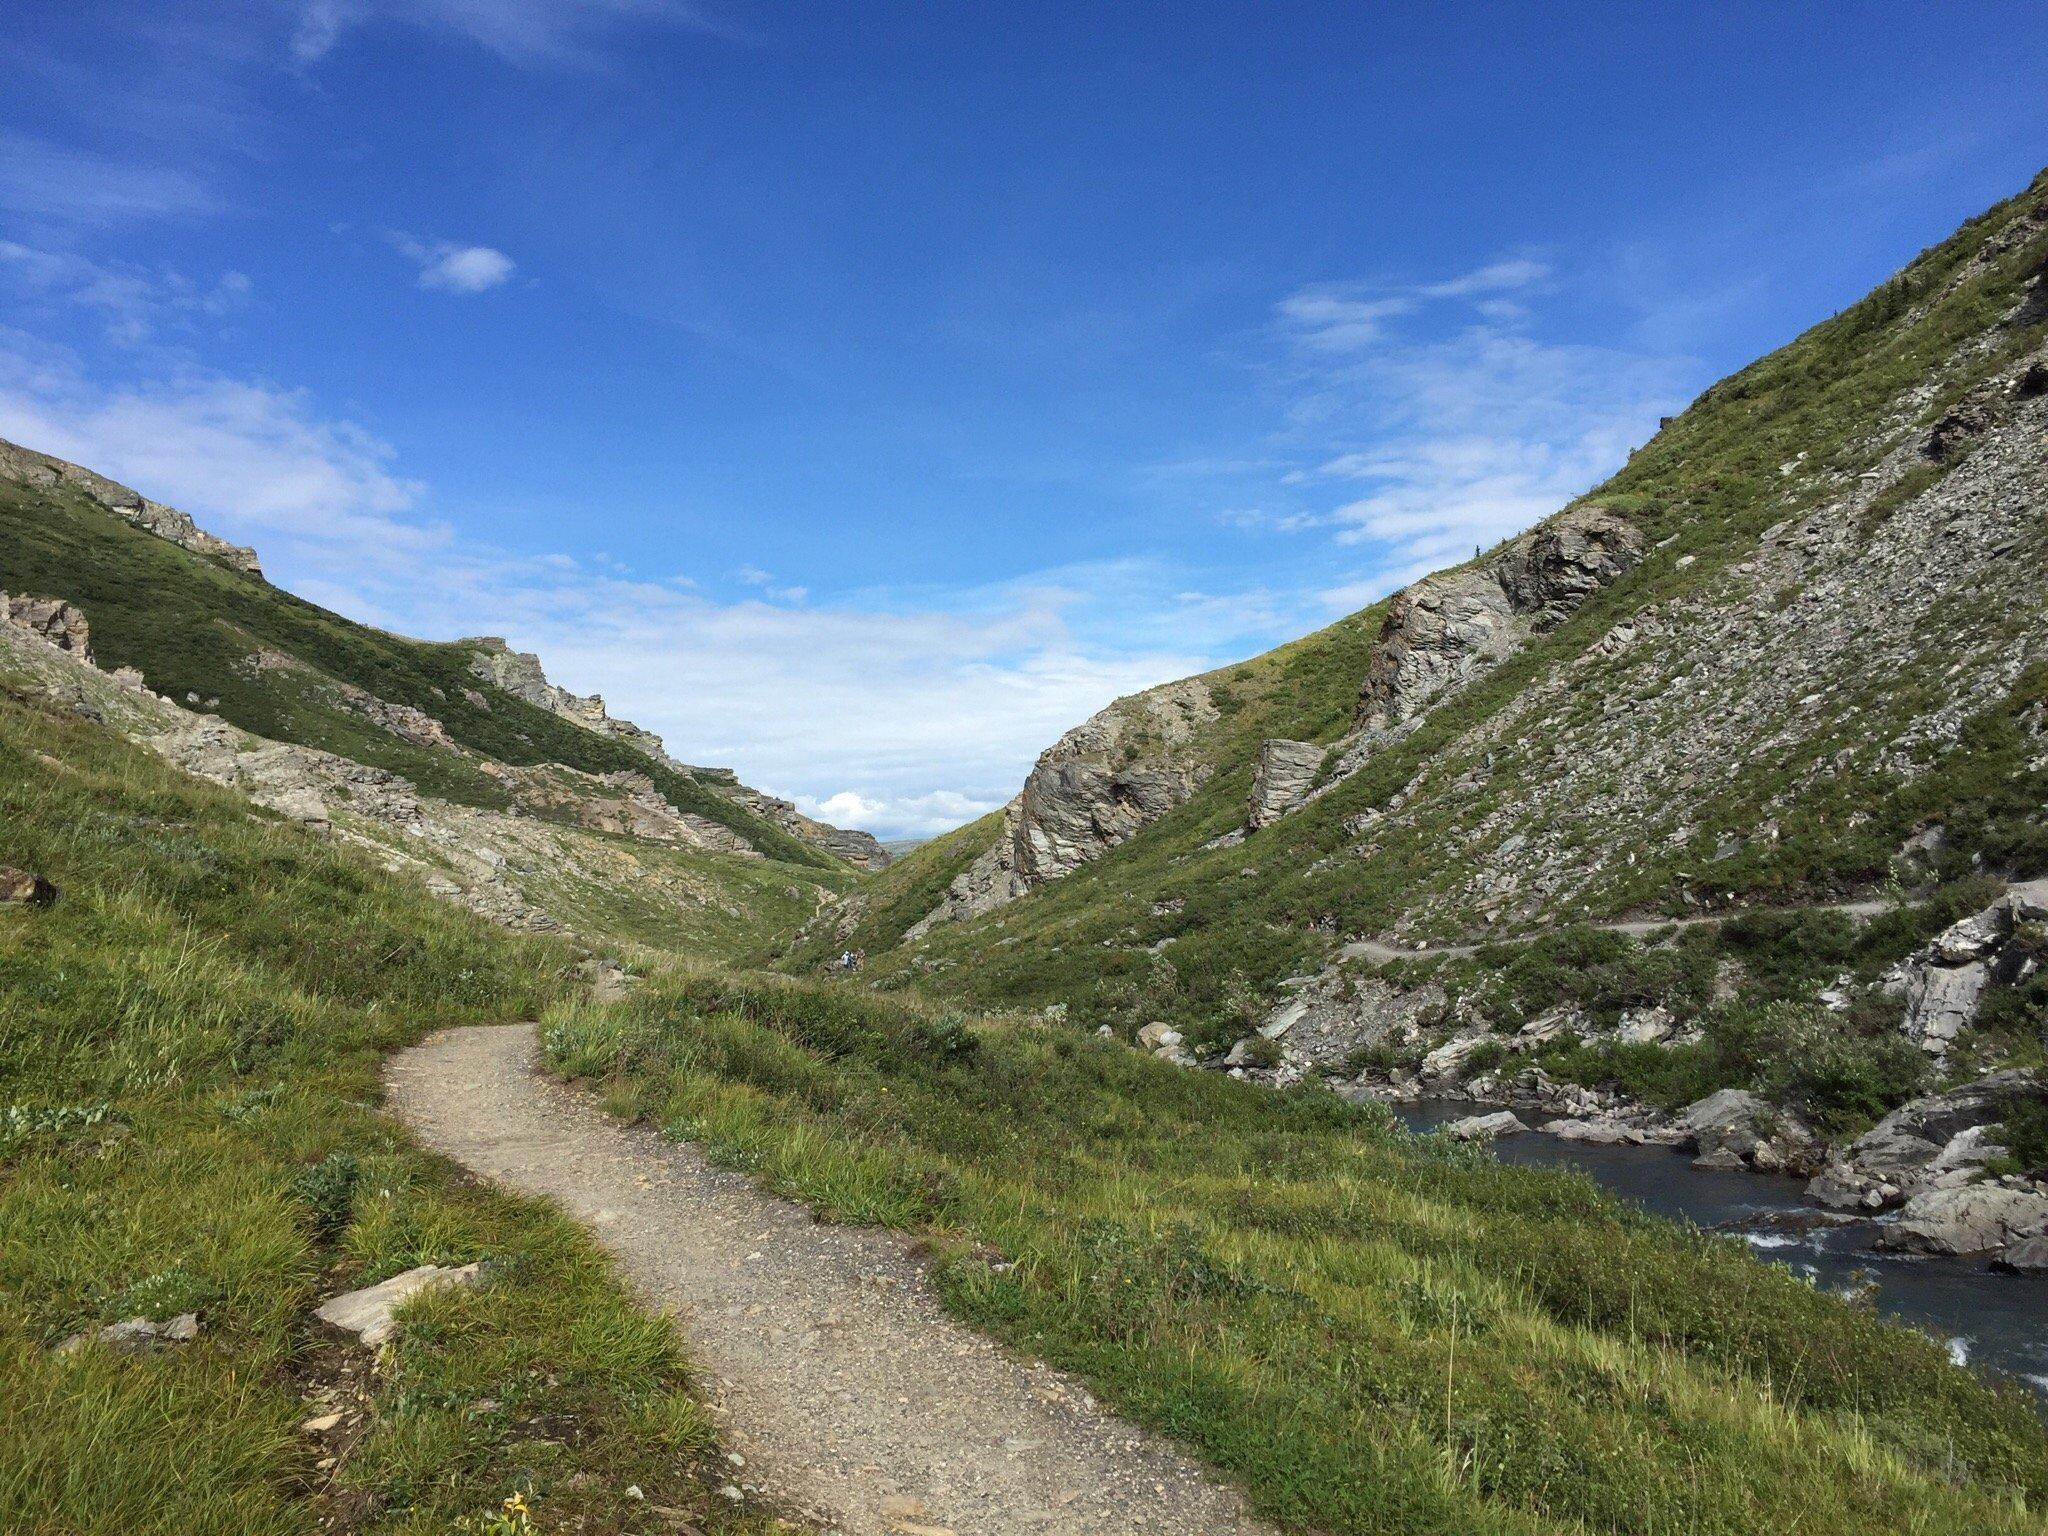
834, 1370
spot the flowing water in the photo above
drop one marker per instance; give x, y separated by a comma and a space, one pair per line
1992, 1321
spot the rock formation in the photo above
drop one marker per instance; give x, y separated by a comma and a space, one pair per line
32, 468
1114, 774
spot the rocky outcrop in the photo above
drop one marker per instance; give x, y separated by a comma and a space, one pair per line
519, 674
1286, 772
1446, 630
1941, 1140
1979, 1218
1944, 983
51, 620
44, 471
1102, 782
860, 849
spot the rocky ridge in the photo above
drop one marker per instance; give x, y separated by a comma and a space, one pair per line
1100, 784
521, 866
33, 468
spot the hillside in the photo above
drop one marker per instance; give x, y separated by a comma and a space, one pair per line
520, 799
190, 1042
1791, 659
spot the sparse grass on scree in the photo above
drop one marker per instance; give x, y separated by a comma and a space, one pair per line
190, 626
189, 1048
1372, 1332
1166, 927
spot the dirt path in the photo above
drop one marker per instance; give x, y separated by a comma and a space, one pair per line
1379, 952
835, 1373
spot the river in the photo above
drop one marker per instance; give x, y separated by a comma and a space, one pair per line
1990, 1321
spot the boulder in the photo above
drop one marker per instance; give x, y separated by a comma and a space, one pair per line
1734, 1129
1285, 773
2028, 1256
19, 888
1502, 1122
1159, 1037
1595, 1132
1979, 1218
370, 1313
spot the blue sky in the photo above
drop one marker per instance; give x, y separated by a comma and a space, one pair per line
860, 395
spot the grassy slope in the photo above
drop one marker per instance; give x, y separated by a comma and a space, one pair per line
1372, 1333
195, 1022
1706, 487
188, 625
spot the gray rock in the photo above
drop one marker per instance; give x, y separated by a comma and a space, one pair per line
137, 1335
50, 619
19, 888
1285, 773
1600, 1132
369, 1313
1979, 1218
1097, 786
1502, 1122
1734, 1128
2029, 1256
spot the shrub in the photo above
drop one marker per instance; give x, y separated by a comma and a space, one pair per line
328, 1191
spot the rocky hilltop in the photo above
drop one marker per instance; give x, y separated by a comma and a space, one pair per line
461, 761
1709, 810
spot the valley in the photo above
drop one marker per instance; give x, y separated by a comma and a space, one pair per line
1137, 1180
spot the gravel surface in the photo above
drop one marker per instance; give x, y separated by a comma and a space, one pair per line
851, 1394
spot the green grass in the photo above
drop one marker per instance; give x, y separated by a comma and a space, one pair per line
189, 1050
1164, 927
1371, 1332
190, 626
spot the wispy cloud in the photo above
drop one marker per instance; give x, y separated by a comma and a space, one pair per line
921, 707
133, 301
446, 267
1447, 418
528, 33
44, 180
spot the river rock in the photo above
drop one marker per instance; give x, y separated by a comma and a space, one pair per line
1502, 1122
2029, 1256
1980, 1218
1599, 1132
1734, 1129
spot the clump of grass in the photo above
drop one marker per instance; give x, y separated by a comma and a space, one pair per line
1374, 1332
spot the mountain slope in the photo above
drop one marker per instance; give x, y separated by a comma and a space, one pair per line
1803, 625
531, 804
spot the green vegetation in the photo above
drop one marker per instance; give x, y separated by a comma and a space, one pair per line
1372, 1332
1168, 926
189, 1044
192, 627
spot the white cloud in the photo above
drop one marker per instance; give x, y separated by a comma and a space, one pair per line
250, 457
927, 707
135, 301
449, 268
47, 180
528, 33
1452, 425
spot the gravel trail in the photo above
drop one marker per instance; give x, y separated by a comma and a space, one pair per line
834, 1371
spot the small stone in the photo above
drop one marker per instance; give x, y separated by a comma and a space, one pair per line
19, 888
321, 1424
